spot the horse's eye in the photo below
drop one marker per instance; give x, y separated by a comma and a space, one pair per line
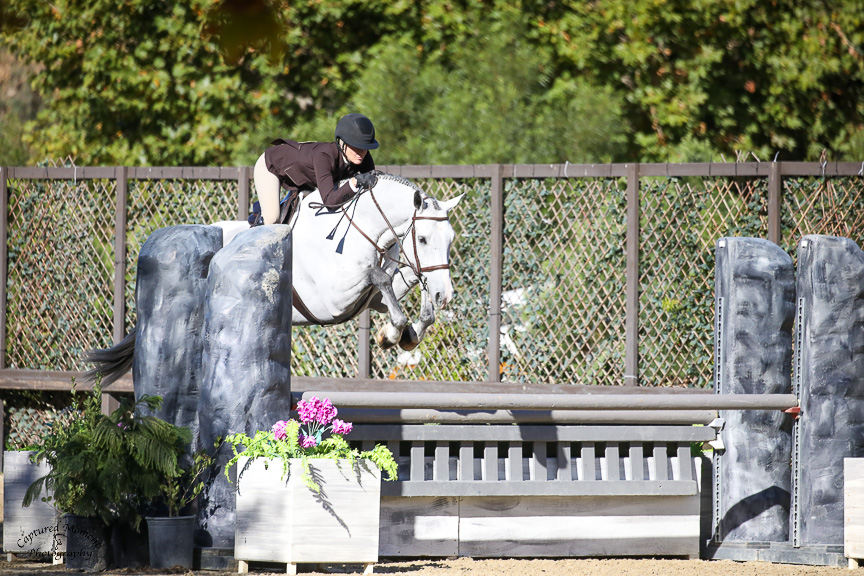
422, 240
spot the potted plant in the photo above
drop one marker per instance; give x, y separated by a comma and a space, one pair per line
171, 538
103, 470
320, 503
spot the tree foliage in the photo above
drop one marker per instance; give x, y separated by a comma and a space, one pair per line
203, 82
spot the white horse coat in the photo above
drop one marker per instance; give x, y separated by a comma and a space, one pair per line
338, 267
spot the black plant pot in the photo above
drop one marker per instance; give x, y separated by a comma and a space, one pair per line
86, 544
171, 541
129, 548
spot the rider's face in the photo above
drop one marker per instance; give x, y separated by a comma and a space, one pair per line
354, 155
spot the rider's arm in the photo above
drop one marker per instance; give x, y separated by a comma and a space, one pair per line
324, 167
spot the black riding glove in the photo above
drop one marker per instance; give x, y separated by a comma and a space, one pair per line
367, 180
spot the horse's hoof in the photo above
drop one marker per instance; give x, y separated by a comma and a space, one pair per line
409, 339
383, 342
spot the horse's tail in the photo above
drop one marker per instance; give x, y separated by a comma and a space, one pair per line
111, 363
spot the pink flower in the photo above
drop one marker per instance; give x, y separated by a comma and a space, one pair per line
307, 410
326, 412
279, 430
342, 427
316, 410
307, 441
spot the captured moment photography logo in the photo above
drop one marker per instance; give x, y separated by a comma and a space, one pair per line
52, 541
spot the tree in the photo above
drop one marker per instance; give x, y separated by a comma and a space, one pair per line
749, 75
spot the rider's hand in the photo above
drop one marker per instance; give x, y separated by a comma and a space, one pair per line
367, 180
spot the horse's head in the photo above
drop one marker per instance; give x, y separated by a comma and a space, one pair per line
428, 245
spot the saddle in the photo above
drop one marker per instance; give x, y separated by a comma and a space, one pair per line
287, 206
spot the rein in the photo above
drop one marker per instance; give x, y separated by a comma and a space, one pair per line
415, 267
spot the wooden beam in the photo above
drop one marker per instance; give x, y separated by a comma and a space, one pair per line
481, 401
4, 254
775, 184
243, 193
120, 254
496, 263
631, 323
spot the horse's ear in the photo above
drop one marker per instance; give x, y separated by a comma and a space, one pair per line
450, 204
418, 200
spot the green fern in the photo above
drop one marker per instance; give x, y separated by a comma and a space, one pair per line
110, 466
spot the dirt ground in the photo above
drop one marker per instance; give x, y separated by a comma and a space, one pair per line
471, 567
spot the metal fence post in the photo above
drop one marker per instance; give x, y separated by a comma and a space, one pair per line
631, 345
496, 257
364, 349
243, 193
4, 253
775, 183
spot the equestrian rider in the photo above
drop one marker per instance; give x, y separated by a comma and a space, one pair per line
304, 166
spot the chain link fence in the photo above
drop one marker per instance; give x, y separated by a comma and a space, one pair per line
564, 270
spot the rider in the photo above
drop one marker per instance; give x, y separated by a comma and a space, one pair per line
304, 166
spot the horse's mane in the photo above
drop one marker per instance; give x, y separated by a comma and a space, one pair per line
400, 180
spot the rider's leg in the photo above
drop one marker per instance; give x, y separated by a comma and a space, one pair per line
267, 185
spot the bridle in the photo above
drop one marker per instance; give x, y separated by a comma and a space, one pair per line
415, 266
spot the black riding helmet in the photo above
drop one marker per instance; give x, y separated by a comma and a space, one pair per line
357, 130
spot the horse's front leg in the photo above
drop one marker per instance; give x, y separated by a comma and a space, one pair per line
391, 333
413, 334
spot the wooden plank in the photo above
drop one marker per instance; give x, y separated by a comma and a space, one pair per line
540, 488
684, 463
491, 401
496, 264
659, 465
243, 177
539, 465
423, 526
418, 462
120, 255
853, 502
775, 184
564, 462
587, 469
364, 345
513, 471
631, 290
490, 462
427, 416
4, 255
562, 527
73, 173
457, 433
610, 465
635, 464
15, 379
466, 462
441, 466
312, 383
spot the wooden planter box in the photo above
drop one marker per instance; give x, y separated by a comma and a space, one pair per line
30, 531
281, 520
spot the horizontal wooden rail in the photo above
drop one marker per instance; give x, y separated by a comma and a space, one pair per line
423, 416
480, 401
456, 488
456, 433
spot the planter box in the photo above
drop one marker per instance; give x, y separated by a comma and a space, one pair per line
28, 531
281, 520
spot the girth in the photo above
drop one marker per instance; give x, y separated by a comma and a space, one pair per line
297, 302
